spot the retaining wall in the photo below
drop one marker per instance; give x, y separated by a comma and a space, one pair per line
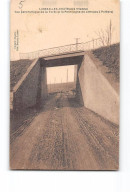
27, 92
98, 94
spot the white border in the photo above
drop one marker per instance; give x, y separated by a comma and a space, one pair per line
32, 182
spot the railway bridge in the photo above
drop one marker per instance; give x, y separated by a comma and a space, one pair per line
93, 90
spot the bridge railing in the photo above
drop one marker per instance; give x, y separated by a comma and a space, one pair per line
93, 44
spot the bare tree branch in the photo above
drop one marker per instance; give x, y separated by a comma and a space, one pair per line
106, 35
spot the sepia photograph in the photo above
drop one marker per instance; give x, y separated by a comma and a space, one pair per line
64, 85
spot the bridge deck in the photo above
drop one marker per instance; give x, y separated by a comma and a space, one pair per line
54, 51
65, 55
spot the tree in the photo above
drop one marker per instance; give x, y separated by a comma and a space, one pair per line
106, 35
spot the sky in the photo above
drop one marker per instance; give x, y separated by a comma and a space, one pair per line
59, 74
41, 31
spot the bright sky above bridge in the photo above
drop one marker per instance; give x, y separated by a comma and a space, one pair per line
40, 31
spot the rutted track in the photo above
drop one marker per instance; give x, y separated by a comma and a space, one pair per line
65, 136
103, 144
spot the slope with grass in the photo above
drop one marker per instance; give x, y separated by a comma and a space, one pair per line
17, 70
108, 61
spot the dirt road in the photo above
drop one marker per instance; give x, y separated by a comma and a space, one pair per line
65, 136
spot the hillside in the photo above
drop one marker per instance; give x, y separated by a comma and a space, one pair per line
110, 57
107, 60
17, 70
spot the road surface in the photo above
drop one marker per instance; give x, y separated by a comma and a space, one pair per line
64, 136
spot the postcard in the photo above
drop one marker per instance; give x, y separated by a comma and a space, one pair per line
64, 84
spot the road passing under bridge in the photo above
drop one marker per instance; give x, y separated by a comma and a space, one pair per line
63, 135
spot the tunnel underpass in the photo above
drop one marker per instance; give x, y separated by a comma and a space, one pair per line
63, 126
60, 75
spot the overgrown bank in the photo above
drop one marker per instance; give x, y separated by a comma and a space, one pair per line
17, 70
110, 57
